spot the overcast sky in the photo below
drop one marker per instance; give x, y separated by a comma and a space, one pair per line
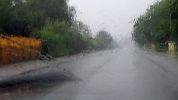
111, 15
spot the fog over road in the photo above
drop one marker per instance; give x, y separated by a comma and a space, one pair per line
127, 73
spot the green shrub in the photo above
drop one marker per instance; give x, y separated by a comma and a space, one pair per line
60, 39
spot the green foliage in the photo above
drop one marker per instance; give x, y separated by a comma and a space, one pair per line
60, 39
25, 16
156, 25
64, 40
103, 40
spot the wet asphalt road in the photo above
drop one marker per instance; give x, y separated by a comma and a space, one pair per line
127, 73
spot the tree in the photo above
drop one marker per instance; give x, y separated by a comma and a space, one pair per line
25, 16
103, 40
154, 25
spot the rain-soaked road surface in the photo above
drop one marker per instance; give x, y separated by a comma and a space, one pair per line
128, 73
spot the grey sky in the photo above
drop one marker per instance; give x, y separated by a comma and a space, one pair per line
111, 15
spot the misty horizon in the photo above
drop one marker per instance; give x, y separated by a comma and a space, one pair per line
114, 16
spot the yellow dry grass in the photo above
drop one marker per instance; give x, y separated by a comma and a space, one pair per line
14, 49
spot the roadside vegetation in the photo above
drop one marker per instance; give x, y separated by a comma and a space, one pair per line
53, 21
158, 25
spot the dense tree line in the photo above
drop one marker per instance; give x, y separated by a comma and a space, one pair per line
54, 22
24, 16
158, 25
